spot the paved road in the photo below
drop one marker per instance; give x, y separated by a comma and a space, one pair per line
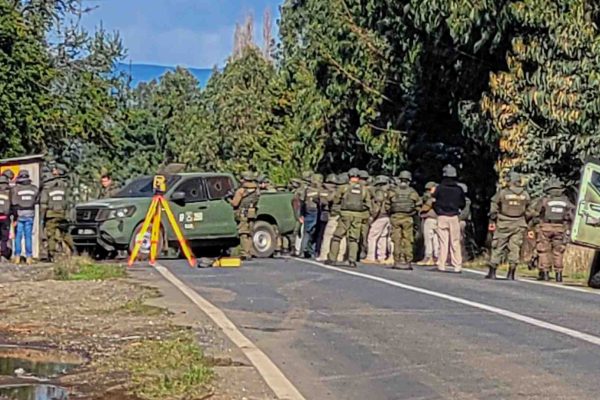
338, 336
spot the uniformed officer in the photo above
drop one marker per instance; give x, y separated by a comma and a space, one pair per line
379, 231
54, 205
326, 194
404, 202
354, 200
366, 180
553, 213
5, 214
24, 197
244, 202
107, 187
311, 204
508, 213
467, 244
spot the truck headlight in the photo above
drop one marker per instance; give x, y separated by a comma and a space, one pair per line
122, 212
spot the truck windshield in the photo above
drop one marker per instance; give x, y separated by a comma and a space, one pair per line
142, 187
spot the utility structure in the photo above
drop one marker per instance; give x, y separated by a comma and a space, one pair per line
159, 205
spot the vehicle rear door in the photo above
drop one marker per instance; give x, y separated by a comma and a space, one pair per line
220, 213
586, 225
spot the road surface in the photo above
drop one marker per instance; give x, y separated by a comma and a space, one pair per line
340, 336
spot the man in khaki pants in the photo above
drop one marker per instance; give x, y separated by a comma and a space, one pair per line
449, 201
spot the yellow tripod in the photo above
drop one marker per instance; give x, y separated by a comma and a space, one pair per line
158, 205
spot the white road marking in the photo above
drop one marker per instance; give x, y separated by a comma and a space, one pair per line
550, 285
272, 375
499, 311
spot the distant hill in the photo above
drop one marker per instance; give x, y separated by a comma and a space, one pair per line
146, 73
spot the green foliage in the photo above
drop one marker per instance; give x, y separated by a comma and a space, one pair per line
84, 269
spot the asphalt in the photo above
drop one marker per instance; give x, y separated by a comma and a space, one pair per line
337, 336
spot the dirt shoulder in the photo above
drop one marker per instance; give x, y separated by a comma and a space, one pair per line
138, 337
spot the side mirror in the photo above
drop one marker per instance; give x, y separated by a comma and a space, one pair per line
178, 197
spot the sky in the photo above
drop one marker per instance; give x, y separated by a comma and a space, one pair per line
190, 33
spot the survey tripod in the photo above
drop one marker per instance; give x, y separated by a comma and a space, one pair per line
152, 221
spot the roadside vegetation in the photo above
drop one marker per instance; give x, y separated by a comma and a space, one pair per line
85, 269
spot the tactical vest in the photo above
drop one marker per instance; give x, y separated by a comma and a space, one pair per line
250, 198
5, 201
311, 199
25, 196
379, 199
325, 196
555, 209
57, 197
353, 199
401, 201
513, 205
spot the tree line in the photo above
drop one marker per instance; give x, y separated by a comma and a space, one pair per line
383, 85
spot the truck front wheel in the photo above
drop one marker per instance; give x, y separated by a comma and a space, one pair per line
264, 238
144, 253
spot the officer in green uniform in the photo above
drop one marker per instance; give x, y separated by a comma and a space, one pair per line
244, 202
508, 213
404, 203
310, 205
54, 203
367, 181
354, 200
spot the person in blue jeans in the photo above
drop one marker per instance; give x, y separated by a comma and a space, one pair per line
25, 196
310, 199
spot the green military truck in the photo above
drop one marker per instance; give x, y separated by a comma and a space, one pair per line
586, 225
199, 203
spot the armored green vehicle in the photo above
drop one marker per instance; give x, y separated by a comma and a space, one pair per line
586, 225
199, 203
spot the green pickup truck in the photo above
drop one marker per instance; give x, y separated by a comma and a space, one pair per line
198, 202
586, 225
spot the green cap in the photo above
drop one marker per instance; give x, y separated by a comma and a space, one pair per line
381, 180
405, 175
249, 176
343, 178
331, 178
553, 184
354, 173
514, 178
430, 185
362, 174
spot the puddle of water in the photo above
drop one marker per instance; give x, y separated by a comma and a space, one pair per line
33, 392
39, 363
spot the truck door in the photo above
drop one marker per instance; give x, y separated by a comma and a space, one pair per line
217, 188
586, 225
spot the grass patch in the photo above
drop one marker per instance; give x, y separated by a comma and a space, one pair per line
173, 368
85, 269
137, 307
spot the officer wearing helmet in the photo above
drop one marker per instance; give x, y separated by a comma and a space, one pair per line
403, 203
54, 206
429, 226
367, 181
553, 214
379, 230
354, 200
244, 203
24, 197
509, 211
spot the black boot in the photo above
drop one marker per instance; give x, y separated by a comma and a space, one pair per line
543, 276
558, 276
511, 273
491, 273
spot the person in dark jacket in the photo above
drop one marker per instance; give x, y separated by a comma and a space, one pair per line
24, 197
449, 201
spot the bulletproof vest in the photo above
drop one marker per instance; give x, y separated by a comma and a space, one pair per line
250, 197
57, 195
325, 196
311, 198
25, 196
5, 200
555, 209
379, 198
401, 201
353, 199
512, 204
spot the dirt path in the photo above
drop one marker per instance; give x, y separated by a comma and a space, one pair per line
106, 322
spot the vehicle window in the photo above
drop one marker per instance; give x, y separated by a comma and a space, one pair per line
193, 189
142, 187
218, 186
595, 181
